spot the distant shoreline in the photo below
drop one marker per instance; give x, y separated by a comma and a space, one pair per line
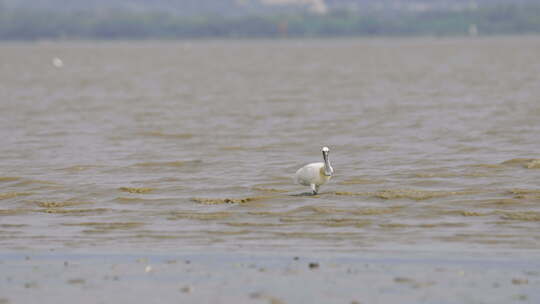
38, 24
186, 42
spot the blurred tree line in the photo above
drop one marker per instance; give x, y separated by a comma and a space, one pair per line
29, 24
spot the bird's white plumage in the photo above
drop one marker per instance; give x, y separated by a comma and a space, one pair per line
311, 174
315, 174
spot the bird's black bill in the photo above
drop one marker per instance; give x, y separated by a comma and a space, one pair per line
325, 156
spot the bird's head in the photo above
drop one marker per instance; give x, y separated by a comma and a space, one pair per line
328, 170
325, 151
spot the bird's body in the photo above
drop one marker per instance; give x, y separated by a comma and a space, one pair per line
315, 174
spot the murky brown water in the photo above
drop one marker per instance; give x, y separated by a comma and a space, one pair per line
151, 145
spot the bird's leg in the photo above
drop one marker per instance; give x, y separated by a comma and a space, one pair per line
314, 188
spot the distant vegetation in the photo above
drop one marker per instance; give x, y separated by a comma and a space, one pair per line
29, 24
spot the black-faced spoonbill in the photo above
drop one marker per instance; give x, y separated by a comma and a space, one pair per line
315, 174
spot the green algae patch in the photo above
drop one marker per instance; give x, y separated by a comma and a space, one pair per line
417, 195
16, 211
528, 163
162, 164
525, 191
73, 211
332, 222
55, 204
432, 175
330, 210
326, 210
76, 281
232, 148
13, 225
522, 216
136, 190
78, 168
528, 197
375, 211
516, 161
219, 201
127, 200
466, 213
204, 216
500, 203
8, 178
449, 225
168, 164
345, 222
107, 226
394, 225
168, 135
486, 166
347, 193
360, 181
408, 194
224, 232
533, 164
8, 195
319, 235
36, 181
251, 224
526, 194
471, 213
428, 225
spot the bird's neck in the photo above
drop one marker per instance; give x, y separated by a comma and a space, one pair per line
327, 167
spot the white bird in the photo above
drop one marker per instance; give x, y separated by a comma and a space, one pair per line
315, 174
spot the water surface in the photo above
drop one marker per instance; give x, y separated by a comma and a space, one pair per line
177, 145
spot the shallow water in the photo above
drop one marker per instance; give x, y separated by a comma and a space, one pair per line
177, 145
